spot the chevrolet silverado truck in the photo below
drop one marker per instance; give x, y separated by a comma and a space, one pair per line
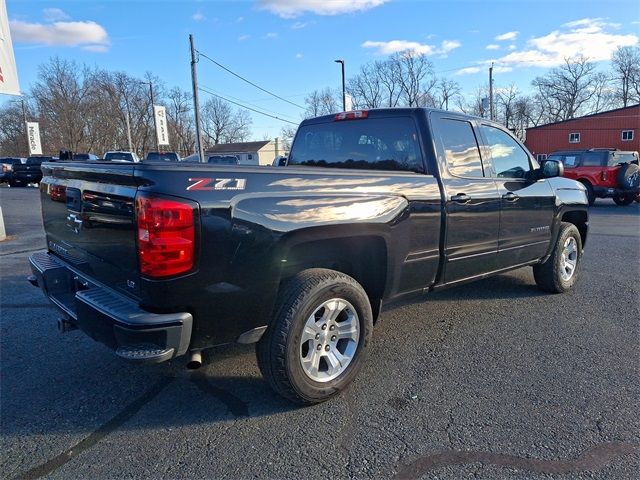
159, 261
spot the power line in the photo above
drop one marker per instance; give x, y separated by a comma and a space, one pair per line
244, 106
249, 81
213, 90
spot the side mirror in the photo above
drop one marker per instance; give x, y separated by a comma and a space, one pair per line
552, 168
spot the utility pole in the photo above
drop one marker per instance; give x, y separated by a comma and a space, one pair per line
344, 96
24, 125
196, 101
491, 116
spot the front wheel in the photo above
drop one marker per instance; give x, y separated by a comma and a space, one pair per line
559, 273
623, 200
318, 337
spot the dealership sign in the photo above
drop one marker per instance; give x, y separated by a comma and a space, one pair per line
8, 72
33, 134
161, 125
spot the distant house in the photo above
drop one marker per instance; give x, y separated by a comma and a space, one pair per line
250, 153
619, 128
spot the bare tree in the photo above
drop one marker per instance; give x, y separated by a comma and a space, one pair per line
221, 124
566, 91
625, 63
414, 75
366, 87
322, 102
505, 102
447, 91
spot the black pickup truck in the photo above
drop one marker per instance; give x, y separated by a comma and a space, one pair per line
159, 261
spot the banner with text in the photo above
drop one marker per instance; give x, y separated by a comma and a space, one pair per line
161, 125
8, 72
33, 133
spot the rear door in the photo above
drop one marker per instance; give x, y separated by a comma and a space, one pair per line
472, 202
527, 206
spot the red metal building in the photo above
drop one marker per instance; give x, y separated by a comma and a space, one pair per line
619, 128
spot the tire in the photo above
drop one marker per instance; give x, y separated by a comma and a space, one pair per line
304, 303
591, 196
628, 176
623, 200
552, 276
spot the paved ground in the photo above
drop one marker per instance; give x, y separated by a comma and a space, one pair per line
488, 380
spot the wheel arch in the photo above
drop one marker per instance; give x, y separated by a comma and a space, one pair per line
361, 254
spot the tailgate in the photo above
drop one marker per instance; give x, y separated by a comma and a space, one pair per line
88, 213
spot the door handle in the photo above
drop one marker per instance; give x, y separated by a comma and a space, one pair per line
460, 198
510, 196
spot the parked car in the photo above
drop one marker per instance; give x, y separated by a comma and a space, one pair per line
604, 172
85, 157
29, 172
162, 157
121, 156
7, 163
372, 207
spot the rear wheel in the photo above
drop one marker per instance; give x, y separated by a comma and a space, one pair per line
559, 273
623, 200
317, 340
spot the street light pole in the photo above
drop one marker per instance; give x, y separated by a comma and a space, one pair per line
344, 95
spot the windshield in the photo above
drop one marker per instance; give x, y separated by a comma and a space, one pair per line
374, 143
127, 157
626, 157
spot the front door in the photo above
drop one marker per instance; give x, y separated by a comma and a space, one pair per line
527, 205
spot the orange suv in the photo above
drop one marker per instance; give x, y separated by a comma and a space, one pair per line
604, 172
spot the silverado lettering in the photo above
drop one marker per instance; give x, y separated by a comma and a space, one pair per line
369, 208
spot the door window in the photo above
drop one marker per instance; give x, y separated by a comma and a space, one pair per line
460, 148
509, 158
592, 159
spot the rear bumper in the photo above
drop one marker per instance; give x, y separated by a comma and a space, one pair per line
109, 317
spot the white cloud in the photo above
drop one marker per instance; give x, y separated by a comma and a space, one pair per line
299, 55
55, 15
492, 46
239, 19
87, 34
511, 47
299, 25
295, 8
242, 38
198, 16
588, 37
507, 36
500, 69
468, 70
271, 35
395, 46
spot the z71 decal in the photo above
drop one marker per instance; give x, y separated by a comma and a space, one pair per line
217, 184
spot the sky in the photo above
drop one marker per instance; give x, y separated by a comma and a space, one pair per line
289, 46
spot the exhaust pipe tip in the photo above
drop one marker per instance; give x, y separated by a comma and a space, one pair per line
195, 360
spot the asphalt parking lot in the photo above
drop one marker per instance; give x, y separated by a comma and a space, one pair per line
489, 380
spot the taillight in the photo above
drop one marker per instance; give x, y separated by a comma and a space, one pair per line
603, 175
166, 236
355, 115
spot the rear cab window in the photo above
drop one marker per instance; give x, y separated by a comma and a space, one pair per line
381, 143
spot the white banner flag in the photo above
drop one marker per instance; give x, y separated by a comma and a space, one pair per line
8, 72
33, 132
161, 125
